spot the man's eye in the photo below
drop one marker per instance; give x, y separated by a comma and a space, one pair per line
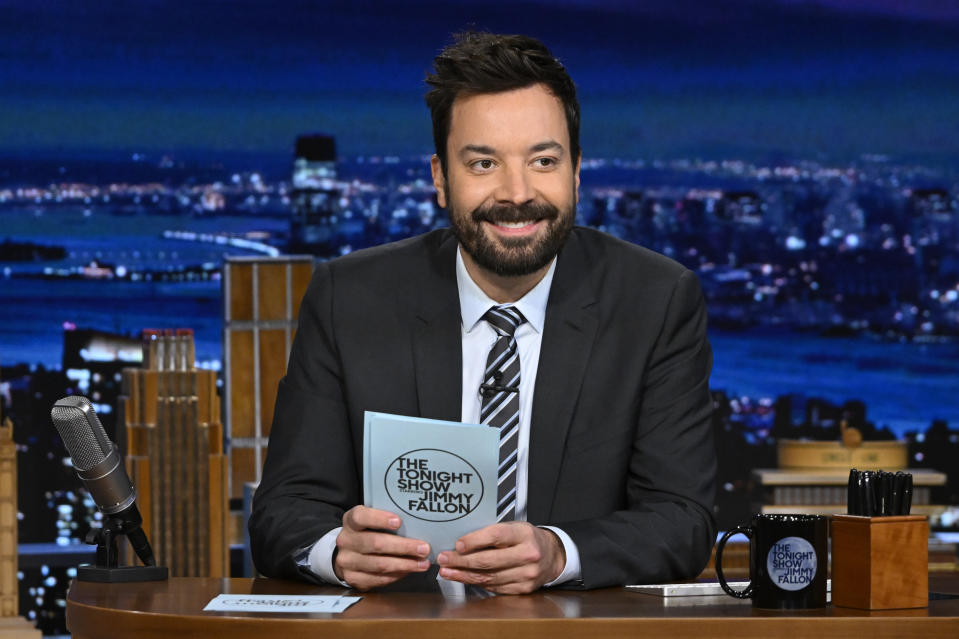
544, 163
484, 165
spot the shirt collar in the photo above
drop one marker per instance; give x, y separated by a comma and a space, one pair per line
474, 302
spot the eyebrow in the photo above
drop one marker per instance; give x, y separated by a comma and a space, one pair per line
549, 145
481, 149
478, 149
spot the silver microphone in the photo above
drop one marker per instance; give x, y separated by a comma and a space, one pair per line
98, 463
95, 458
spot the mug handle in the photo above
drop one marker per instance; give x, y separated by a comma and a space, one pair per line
748, 590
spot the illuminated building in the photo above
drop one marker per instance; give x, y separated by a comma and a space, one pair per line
933, 203
261, 303
8, 521
743, 207
10, 623
315, 196
174, 445
94, 360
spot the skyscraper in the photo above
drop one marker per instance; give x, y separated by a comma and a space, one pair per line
8, 521
315, 196
261, 302
174, 445
10, 623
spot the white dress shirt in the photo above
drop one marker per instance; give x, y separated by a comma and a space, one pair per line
478, 338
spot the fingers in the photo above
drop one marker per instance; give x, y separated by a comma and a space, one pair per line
369, 554
363, 518
505, 558
516, 580
494, 536
371, 571
491, 559
377, 544
363, 533
521, 579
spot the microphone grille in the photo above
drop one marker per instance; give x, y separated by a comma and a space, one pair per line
81, 431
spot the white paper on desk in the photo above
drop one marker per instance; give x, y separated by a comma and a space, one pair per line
695, 589
438, 476
280, 603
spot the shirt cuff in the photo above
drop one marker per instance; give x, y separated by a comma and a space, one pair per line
318, 559
573, 570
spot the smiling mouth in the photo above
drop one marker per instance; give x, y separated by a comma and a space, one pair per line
526, 228
515, 220
516, 225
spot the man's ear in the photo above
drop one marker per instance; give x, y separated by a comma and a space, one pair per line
439, 180
579, 162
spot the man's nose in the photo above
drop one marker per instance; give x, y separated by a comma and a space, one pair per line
514, 186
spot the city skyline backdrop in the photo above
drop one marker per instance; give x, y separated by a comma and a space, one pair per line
158, 91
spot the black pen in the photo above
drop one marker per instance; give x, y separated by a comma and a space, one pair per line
861, 489
880, 488
898, 484
887, 481
868, 493
852, 493
907, 495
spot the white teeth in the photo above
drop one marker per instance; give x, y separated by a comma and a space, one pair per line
515, 225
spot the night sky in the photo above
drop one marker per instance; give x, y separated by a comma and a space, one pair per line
747, 78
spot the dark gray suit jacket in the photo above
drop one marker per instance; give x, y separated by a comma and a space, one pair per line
621, 445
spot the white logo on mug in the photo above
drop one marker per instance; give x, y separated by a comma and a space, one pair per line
791, 563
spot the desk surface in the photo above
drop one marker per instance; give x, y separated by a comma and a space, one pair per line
165, 609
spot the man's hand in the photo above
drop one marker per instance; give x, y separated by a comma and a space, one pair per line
369, 556
509, 558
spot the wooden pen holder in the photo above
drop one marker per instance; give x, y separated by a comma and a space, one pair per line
880, 563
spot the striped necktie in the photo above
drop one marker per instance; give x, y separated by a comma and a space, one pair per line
500, 391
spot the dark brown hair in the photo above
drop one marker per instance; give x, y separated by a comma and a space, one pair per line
479, 62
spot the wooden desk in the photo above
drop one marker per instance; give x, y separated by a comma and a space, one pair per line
175, 608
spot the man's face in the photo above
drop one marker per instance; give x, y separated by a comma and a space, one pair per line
511, 185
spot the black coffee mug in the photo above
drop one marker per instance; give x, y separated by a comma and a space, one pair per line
787, 561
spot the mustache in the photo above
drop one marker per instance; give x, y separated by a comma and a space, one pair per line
528, 211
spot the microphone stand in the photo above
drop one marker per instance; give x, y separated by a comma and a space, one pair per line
108, 568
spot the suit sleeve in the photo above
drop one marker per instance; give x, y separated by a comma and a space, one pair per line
667, 529
310, 476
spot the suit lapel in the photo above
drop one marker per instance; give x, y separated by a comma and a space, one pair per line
437, 338
567, 341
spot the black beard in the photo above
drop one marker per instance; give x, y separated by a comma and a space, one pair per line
508, 256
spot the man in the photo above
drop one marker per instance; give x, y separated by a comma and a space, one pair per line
613, 464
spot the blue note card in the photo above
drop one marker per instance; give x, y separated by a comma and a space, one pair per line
438, 476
